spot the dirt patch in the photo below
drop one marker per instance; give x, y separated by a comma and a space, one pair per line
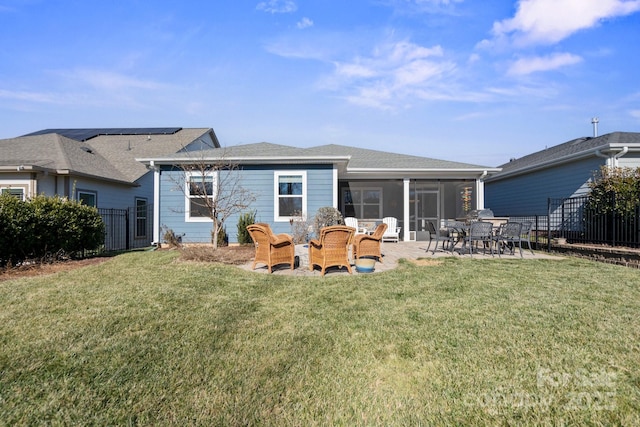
33, 270
233, 255
425, 262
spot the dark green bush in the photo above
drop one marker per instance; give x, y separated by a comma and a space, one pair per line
245, 220
43, 226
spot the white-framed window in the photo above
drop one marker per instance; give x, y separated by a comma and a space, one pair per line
88, 198
366, 202
14, 191
290, 191
198, 188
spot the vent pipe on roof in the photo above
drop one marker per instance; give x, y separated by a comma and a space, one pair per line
594, 122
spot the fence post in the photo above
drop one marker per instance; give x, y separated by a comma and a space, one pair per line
127, 243
549, 224
613, 219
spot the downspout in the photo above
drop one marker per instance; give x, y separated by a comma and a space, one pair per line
156, 202
612, 160
480, 190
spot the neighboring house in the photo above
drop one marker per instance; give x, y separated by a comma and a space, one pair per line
367, 184
97, 166
525, 184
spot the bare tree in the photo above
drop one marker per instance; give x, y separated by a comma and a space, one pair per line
213, 189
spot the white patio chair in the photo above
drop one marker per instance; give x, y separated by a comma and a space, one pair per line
392, 234
351, 221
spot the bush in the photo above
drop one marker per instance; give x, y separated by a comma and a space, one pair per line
42, 227
245, 220
326, 217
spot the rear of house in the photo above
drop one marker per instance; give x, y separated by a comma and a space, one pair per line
290, 183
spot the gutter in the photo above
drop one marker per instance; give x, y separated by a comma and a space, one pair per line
612, 159
561, 160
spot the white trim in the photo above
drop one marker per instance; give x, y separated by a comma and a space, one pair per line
406, 210
276, 194
89, 192
156, 204
187, 195
335, 188
23, 184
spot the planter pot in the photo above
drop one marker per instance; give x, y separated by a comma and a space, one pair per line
365, 265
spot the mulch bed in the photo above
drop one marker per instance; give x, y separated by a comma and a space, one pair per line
233, 255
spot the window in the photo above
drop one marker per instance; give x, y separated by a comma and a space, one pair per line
364, 202
88, 198
291, 195
16, 192
199, 188
141, 217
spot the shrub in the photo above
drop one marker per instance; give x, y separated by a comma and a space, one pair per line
223, 239
326, 217
44, 226
170, 237
245, 220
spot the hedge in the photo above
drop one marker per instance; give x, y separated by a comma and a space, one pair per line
44, 227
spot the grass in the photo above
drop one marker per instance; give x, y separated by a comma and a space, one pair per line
147, 339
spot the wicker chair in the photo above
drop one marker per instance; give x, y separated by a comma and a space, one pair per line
271, 249
332, 249
369, 246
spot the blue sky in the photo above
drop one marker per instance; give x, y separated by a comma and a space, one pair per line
467, 80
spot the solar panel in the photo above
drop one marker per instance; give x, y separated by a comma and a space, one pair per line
86, 134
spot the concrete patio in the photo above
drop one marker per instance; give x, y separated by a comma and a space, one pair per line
391, 253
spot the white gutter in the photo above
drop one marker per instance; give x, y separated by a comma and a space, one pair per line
612, 160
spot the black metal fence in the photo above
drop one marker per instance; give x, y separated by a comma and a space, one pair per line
574, 220
129, 228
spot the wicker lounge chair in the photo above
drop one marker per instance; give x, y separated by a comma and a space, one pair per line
271, 249
332, 249
369, 246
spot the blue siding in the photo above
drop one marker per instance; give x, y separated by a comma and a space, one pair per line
527, 194
260, 180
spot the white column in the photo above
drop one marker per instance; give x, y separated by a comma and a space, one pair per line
156, 204
480, 190
406, 210
335, 187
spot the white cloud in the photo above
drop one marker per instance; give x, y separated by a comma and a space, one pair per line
110, 80
550, 21
38, 97
304, 23
394, 72
635, 114
534, 64
277, 6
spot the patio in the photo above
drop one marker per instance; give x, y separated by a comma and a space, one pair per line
392, 252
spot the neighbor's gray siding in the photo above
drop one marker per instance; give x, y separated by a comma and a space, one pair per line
528, 194
630, 160
260, 181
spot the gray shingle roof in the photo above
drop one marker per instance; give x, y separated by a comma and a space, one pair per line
111, 157
366, 158
570, 149
358, 158
57, 153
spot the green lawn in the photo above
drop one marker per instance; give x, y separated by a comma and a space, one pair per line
147, 339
